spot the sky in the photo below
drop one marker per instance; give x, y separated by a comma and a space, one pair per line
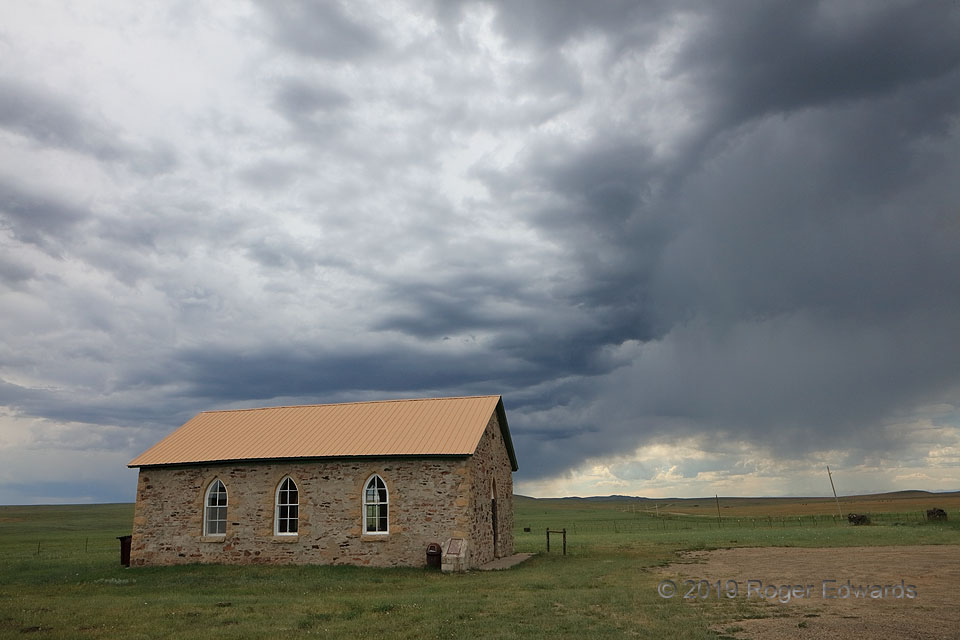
698, 248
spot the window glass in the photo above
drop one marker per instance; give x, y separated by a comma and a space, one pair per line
215, 510
375, 503
287, 508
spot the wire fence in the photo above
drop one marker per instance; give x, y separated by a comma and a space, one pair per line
669, 522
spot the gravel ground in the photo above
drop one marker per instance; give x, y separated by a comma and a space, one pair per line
933, 572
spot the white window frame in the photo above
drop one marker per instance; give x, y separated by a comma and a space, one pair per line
385, 504
207, 506
276, 509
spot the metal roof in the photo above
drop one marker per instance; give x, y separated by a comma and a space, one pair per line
421, 427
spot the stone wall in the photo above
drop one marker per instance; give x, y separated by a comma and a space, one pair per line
490, 474
430, 501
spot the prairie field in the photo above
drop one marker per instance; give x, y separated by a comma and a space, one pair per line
60, 575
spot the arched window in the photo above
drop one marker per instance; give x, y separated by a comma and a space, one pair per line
287, 513
375, 504
215, 510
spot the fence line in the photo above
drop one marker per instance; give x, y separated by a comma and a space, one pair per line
644, 522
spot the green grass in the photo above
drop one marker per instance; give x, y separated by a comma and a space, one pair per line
74, 586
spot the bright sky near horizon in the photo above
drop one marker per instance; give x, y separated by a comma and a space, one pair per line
699, 248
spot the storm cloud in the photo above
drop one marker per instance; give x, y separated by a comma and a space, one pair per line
722, 237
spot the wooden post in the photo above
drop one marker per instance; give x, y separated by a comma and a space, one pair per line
561, 531
830, 475
719, 521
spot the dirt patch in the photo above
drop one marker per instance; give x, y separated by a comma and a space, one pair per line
786, 593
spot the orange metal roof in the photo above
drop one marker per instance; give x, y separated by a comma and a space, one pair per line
424, 427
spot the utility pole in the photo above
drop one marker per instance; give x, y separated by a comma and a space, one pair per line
830, 475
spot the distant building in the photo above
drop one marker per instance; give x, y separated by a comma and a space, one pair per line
364, 483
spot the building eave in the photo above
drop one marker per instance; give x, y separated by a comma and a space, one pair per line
198, 463
505, 432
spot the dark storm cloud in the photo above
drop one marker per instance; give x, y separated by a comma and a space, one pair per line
297, 98
48, 119
796, 217
451, 305
280, 253
316, 112
836, 223
270, 174
53, 120
90, 407
223, 376
14, 273
321, 30
796, 256
611, 225
36, 218
783, 57
636, 221
545, 24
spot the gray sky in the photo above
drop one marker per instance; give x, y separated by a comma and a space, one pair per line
699, 248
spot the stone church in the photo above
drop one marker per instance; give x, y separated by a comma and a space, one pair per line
362, 483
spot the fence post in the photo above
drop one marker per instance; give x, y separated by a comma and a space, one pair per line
564, 541
548, 539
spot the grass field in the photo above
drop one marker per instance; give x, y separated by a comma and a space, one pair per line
60, 577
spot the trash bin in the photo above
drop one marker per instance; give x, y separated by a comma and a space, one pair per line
434, 554
124, 550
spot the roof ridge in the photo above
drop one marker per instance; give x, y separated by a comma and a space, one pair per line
341, 404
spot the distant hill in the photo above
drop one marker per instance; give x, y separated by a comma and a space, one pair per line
890, 495
889, 502
611, 498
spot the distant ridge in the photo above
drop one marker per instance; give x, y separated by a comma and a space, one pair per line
907, 493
